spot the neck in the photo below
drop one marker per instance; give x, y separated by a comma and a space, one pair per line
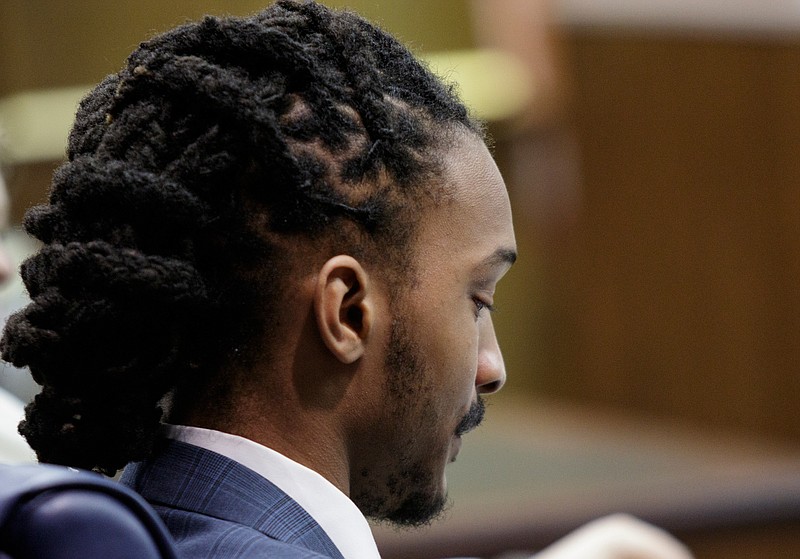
303, 423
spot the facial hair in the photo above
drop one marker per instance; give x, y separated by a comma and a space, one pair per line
473, 418
409, 495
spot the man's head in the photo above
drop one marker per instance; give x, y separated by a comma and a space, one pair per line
442, 351
247, 192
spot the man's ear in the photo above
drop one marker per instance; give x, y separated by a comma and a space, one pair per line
343, 307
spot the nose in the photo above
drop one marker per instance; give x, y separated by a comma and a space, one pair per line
491, 375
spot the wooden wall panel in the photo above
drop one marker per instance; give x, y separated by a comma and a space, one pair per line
676, 290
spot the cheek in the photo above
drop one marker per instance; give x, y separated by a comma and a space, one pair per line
456, 371
447, 335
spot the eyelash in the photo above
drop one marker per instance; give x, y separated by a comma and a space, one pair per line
481, 305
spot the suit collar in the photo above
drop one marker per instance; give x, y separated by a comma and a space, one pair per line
183, 476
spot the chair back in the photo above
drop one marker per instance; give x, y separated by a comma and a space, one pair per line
55, 512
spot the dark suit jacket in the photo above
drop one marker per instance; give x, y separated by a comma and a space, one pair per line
217, 509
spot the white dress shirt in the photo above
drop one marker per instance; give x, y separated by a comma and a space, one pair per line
333, 510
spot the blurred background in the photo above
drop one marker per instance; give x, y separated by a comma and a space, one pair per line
652, 326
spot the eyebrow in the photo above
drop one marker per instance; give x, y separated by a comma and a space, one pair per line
501, 256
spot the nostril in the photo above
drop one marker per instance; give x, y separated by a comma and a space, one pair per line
490, 387
491, 372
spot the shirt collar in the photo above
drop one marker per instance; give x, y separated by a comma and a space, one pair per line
333, 510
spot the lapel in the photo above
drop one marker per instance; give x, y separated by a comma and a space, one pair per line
186, 477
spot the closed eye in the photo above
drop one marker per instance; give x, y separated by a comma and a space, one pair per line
481, 305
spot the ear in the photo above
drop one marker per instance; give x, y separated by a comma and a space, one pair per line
343, 307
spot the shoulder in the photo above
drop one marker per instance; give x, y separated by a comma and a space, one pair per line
205, 537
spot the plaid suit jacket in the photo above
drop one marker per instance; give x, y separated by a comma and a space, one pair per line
217, 509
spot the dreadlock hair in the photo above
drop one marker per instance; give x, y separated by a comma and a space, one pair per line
185, 170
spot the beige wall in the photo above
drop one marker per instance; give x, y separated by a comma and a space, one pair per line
674, 287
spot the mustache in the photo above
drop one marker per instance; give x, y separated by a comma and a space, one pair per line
473, 417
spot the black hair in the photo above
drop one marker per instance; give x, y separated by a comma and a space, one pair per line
185, 170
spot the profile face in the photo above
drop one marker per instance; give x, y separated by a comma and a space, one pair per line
442, 353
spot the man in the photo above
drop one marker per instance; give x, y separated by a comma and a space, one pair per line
266, 283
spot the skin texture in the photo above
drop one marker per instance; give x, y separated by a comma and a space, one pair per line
443, 352
370, 385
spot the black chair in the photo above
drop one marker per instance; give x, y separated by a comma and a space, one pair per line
54, 512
